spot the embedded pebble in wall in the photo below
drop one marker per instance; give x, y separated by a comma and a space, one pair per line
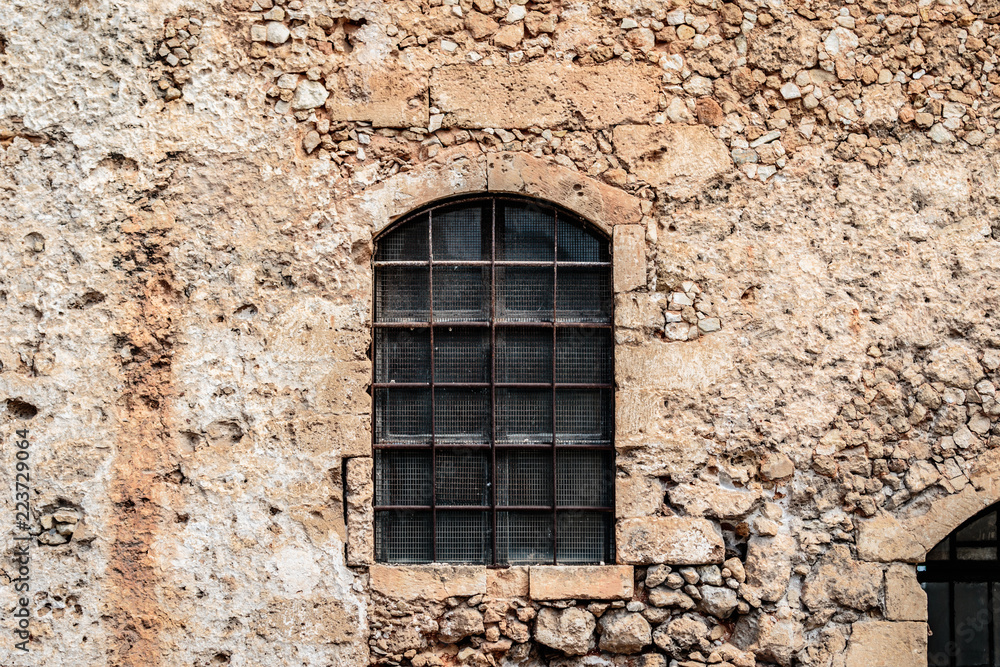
277, 33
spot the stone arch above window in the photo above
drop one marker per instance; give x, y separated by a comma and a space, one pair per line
493, 389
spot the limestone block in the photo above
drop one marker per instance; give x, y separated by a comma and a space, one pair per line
769, 566
568, 630
679, 159
839, 579
689, 367
601, 204
702, 498
360, 515
884, 539
460, 623
428, 582
581, 582
629, 257
887, 644
546, 94
385, 99
670, 540
624, 632
637, 495
510, 582
773, 639
905, 600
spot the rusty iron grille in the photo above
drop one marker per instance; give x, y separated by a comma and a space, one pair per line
493, 393
961, 577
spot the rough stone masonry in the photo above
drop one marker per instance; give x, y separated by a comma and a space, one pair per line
804, 202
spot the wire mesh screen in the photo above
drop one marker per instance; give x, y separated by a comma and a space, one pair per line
402, 294
462, 477
402, 415
524, 355
404, 536
458, 234
405, 357
461, 355
524, 538
463, 537
524, 477
403, 477
493, 387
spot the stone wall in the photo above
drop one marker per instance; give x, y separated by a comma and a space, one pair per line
803, 204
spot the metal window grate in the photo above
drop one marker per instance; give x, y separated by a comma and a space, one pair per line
961, 577
493, 391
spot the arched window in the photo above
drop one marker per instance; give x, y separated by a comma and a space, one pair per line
493, 391
962, 579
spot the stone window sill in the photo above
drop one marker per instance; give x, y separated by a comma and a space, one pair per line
537, 582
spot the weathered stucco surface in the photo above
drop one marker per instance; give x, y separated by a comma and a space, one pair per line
803, 204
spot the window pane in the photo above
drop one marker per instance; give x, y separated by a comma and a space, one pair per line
403, 416
583, 355
996, 624
402, 477
458, 234
524, 355
524, 415
462, 477
524, 294
584, 537
406, 242
940, 552
976, 553
583, 416
584, 478
577, 245
971, 623
461, 294
524, 233
584, 295
403, 355
524, 477
461, 355
403, 536
939, 612
462, 415
982, 530
524, 537
463, 537
402, 294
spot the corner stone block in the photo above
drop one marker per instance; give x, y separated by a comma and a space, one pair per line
629, 257
905, 600
887, 644
883, 539
428, 582
670, 540
598, 582
360, 515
